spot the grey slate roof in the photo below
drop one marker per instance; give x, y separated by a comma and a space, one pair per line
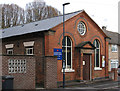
42, 25
114, 37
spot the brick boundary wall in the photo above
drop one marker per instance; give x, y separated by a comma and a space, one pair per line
50, 72
21, 80
114, 70
113, 74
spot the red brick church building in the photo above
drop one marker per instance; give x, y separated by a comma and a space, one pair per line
28, 51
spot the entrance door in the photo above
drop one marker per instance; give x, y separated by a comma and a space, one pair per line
86, 67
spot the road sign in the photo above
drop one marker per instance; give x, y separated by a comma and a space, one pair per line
58, 53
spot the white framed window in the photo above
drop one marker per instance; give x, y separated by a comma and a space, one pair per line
114, 48
29, 51
114, 63
67, 52
81, 28
10, 51
16, 66
97, 54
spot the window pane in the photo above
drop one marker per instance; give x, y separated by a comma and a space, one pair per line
97, 43
68, 42
81, 28
29, 51
114, 63
10, 51
97, 53
64, 42
97, 58
69, 57
114, 48
64, 53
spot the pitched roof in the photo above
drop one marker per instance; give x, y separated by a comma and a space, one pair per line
42, 25
114, 37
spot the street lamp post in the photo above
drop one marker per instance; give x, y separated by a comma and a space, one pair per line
64, 43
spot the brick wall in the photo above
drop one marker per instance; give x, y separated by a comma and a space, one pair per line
93, 32
112, 55
50, 72
19, 49
53, 40
113, 74
21, 80
0, 64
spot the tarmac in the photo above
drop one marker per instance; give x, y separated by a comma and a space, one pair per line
96, 85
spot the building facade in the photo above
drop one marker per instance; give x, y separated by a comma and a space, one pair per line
28, 51
114, 49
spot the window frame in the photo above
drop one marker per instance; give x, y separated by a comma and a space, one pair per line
81, 28
9, 50
114, 61
115, 48
67, 69
27, 51
97, 68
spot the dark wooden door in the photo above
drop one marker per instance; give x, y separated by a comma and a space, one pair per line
86, 67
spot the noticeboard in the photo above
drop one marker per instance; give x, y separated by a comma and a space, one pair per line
58, 53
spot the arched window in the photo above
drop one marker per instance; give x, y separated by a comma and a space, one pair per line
97, 53
67, 52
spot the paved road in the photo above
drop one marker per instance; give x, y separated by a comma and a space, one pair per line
99, 86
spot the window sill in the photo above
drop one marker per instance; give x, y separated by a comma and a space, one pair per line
30, 54
69, 70
114, 51
97, 68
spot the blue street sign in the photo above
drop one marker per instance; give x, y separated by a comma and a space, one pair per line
58, 53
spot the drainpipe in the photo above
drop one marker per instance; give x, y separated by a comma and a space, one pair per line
79, 61
105, 56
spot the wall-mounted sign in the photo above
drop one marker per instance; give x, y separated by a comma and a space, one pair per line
58, 53
103, 61
83, 62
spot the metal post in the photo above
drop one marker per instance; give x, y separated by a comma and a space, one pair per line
64, 43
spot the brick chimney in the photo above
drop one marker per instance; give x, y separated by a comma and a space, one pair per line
104, 27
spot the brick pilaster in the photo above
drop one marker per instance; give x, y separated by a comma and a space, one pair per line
50, 72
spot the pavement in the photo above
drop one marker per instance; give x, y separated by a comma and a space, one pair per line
97, 85
94, 85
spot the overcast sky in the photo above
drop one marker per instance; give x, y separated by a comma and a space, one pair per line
103, 12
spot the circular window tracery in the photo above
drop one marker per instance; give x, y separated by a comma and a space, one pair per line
81, 28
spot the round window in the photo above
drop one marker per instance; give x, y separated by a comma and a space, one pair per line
81, 28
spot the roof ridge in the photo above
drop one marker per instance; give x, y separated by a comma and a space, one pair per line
111, 31
57, 16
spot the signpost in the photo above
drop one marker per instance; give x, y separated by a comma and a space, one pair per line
58, 53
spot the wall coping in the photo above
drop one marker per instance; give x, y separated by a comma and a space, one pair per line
18, 55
